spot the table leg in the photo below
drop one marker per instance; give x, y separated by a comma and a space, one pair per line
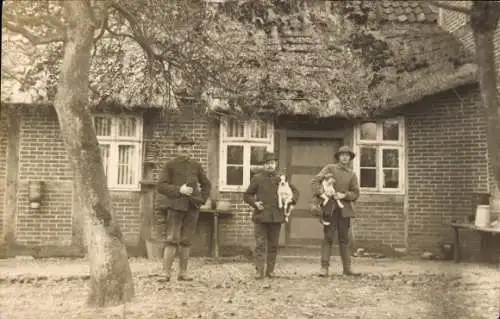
215, 235
487, 249
456, 249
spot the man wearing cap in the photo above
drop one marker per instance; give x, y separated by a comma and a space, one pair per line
183, 188
347, 191
262, 195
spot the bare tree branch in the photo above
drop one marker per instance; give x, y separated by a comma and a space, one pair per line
138, 36
36, 40
103, 25
451, 7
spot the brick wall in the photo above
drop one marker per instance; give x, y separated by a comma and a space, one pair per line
3, 163
380, 220
446, 150
458, 24
43, 157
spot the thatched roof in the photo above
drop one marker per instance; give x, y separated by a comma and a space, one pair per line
309, 78
302, 74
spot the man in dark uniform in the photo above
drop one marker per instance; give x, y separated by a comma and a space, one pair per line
347, 191
183, 188
262, 195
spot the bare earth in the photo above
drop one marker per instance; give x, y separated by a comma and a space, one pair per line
56, 288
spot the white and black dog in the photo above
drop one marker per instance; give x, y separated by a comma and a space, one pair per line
285, 195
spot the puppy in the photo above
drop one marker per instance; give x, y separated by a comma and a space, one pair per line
328, 187
285, 196
327, 184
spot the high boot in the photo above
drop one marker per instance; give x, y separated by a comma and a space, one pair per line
271, 262
168, 260
326, 251
345, 256
183, 264
259, 272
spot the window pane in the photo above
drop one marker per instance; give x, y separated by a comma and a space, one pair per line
102, 126
235, 128
391, 130
368, 157
125, 165
127, 126
235, 154
105, 157
257, 154
390, 158
391, 178
258, 129
368, 131
234, 175
368, 177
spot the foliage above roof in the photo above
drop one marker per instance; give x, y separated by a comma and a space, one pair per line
321, 58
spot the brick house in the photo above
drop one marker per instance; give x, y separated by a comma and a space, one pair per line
420, 156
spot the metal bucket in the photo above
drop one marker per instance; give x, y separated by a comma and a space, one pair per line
482, 216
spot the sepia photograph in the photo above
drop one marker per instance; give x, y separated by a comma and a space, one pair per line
267, 159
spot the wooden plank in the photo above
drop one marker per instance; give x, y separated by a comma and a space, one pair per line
476, 228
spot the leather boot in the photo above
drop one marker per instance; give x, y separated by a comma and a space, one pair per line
183, 264
168, 259
271, 262
259, 274
326, 251
345, 256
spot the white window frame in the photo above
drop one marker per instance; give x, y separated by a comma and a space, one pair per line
247, 142
114, 141
380, 144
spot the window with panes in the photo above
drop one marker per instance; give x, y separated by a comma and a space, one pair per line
379, 163
120, 141
242, 146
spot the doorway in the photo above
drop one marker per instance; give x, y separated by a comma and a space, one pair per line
305, 158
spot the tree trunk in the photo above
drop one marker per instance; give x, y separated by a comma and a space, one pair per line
484, 20
110, 275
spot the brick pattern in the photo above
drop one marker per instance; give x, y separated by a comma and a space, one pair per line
381, 222
43, 157
446, 150
458, 24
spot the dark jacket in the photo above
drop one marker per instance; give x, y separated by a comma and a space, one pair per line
264, 188
345, 182
182, 170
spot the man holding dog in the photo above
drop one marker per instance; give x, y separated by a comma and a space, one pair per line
347, 191
262, 195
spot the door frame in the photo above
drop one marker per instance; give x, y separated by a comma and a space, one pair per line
285, 158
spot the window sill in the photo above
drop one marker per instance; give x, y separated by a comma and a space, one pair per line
379, 197
233, 190
124, 190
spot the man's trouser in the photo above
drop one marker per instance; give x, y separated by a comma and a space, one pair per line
341, 226
181, 227
267, 235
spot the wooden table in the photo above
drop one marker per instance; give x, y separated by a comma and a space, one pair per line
216, 215
487, 234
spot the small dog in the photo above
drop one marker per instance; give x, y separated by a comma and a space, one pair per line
328, 186
285, 195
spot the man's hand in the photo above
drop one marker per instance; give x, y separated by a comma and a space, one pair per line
186, 190
339, 195
259, 205
329, 192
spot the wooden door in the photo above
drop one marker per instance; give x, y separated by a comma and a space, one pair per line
306, 157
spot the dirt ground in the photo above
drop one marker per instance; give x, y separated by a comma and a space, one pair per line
388, 289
